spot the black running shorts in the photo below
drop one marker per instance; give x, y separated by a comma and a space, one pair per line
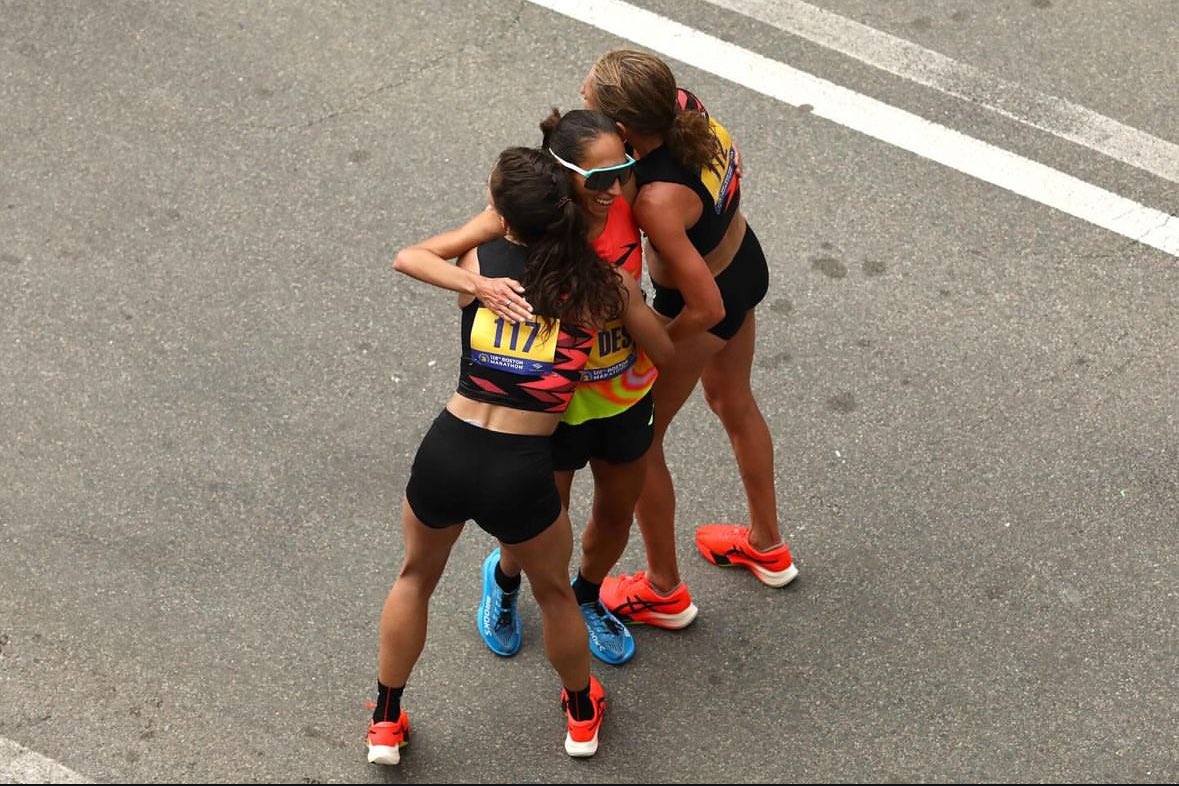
502, 482
618, 439
743, 284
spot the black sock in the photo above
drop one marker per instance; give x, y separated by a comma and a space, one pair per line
579, 704
506, 583
388, 703
585, 590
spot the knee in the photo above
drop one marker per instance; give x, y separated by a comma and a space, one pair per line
548, 592
614, 518
731, 405
421, 575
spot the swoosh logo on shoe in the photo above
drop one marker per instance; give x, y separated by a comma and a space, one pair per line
634, 605
737, 551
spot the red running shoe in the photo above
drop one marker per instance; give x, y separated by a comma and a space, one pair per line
581, 737
728, 545
386, 739
632, 599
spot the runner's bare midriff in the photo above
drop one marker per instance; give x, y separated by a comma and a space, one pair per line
717, 259
505, 420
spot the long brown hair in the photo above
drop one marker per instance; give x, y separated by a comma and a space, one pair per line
563, 276
639, 91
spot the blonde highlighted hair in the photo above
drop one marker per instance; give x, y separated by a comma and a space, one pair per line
639, 91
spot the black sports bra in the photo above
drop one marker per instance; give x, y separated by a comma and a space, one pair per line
718, 186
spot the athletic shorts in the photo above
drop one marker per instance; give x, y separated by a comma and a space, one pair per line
743, 284
502, 482
618, 439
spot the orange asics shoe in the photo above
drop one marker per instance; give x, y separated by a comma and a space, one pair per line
386, 739
728, 544
632, 599
581, 737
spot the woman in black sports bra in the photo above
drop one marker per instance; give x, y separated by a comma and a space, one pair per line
709, 274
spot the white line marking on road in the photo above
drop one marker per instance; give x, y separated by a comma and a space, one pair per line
878, 120
908, 60
18, 764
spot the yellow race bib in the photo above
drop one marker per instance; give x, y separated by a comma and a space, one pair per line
613, 353
720, 183
526, 348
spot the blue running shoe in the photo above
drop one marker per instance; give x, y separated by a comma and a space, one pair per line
498, 623
609, 640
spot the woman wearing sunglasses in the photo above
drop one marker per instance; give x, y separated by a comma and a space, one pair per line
487, 457
709, 274
609, 420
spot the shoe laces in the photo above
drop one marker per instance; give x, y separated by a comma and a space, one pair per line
605, 620
507, 605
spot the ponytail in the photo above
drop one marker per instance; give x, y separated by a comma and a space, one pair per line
692, 142
548, 126
563, 275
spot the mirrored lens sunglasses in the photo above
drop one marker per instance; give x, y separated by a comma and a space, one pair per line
601, 178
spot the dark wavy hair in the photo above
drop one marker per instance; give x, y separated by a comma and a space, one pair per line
563, 276
639, 91
569, 134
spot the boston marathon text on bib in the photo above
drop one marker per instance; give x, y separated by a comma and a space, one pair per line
526, 348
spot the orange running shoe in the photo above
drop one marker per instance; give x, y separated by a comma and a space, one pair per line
581, 737
728, 545
386, 739
632, 599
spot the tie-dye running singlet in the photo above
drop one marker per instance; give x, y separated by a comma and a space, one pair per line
618, 374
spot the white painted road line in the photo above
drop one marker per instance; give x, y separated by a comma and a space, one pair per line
18, 764
878, 120
1057, 116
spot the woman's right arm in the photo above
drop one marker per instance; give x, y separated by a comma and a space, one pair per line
644, 325
661, 215
427, 261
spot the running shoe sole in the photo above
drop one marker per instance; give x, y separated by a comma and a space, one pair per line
384, 754
772, 578
655, 619
581, 750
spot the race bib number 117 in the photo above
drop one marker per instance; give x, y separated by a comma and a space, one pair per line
516, 347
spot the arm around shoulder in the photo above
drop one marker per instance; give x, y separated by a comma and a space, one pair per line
427, 259
644, 325
662, 218
427, 266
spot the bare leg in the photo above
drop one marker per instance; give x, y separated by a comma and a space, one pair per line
727, 390
656, 506
545, 560
616, 490
403, 618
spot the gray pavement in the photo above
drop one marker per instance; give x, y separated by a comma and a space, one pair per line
212, 386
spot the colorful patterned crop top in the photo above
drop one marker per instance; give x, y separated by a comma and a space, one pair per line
533, 366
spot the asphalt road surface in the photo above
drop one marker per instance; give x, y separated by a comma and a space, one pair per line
212, 385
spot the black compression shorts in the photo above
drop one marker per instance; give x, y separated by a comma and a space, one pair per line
503, 482
743, 284
618, 439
